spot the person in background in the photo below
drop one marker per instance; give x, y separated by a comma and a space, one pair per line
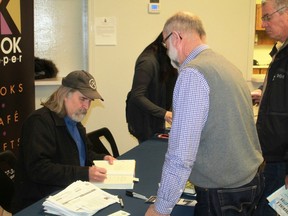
257, 93
148, 104
272, 121
213, 140
54, 150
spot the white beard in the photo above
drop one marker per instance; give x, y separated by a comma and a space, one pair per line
79, 116
175, 64
173, 55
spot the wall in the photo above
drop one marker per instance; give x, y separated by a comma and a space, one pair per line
261, 54
60, 35
230, 30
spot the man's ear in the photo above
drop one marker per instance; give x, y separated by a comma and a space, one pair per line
176, 40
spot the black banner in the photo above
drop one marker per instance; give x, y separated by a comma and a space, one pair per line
17, 92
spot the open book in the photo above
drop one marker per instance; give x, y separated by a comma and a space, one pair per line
120, 175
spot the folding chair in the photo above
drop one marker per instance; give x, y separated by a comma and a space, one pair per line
98, 146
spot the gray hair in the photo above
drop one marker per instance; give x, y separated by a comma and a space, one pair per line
276, 3
56, 101
184, 22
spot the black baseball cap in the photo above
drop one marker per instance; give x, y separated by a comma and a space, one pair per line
83, 82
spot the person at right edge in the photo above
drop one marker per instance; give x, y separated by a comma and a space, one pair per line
272, 121
213, 140
148, 104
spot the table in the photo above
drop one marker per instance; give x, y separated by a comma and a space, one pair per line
149, 158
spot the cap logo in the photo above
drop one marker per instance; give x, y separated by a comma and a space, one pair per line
92, 84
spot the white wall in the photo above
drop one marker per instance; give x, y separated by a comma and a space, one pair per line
59, 27
230, 30
60, 34
261, 54
229, 27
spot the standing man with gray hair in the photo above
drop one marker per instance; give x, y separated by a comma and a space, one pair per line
54, 150
272, 121
213, 140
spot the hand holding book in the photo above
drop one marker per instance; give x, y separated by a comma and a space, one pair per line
120, 174
97, 174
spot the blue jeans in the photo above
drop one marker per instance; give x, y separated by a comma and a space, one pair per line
274, 174
230, 201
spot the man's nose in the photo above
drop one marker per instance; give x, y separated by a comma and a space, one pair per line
86, 104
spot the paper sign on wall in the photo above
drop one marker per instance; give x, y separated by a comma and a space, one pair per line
105, 31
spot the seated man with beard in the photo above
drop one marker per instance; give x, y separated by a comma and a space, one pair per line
54, 150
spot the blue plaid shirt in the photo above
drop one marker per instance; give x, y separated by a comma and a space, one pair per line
190, 111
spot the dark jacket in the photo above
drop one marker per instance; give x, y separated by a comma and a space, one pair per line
272, 123
48, 158
149, 98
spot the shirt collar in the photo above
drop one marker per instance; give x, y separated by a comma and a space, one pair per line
283, 45
69, 121
194, 53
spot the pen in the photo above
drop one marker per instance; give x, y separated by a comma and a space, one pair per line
136, 195
121, 201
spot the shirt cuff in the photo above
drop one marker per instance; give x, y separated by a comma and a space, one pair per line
163, 206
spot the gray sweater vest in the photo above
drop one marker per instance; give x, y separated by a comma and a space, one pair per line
229, 152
